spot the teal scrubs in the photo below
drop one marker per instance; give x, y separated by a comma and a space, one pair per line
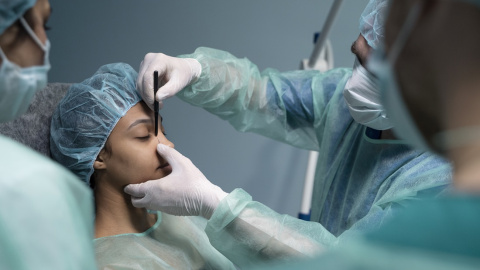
432, 234
46, 218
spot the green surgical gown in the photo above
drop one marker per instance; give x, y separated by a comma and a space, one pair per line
360, 180
172, 243
46, 218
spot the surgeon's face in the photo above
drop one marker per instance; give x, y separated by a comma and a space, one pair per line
18, 45
416, 64
361, 50
131, 154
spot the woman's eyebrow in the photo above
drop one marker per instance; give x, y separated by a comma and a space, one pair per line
140, 121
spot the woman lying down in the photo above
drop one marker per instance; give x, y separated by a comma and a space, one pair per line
104, 133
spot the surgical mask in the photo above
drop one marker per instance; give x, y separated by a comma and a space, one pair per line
382, 66
362, 95
19, 85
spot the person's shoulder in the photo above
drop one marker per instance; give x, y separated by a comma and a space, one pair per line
20, 163
439, 224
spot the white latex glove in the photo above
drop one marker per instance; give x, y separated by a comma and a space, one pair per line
184, 192
174, 74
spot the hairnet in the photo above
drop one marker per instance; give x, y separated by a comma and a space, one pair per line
87, 114
12, 10
372, 22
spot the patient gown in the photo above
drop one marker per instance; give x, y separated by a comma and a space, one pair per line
172, 243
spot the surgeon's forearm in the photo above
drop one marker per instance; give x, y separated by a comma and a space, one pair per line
274, 104
248, 232
264, 245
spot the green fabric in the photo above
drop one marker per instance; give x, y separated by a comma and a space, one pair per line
455, 219
174, 242
248, 232
433, 234
46, 218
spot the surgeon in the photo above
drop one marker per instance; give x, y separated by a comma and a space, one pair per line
428, 72
46, 218
364, 174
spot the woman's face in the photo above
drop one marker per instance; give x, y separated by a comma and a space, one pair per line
131, 156
18, 45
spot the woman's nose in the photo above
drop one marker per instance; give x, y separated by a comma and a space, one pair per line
166, 142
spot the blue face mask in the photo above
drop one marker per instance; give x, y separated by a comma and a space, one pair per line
19, 85
382, 66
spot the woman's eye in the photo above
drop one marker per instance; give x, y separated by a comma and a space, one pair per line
144, 138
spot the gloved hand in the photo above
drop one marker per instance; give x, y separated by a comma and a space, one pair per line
175, 73
184, 192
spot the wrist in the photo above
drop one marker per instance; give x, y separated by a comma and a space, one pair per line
195, 68
217, 196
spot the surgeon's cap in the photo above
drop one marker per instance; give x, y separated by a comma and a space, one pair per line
372, 22
87, 114
12, 10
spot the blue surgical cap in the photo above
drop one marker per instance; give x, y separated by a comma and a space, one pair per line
372, 22
12, 10
87, 114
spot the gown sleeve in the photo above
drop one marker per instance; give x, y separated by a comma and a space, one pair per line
285, 106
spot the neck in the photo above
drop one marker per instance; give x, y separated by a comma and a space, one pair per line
115, 213
461, 112
387, 135
466, 163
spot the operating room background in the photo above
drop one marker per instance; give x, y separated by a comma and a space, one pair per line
271, 33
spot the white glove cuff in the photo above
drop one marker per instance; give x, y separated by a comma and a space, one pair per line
217, 196
195, 67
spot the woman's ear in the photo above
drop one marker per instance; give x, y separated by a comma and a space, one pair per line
99, 163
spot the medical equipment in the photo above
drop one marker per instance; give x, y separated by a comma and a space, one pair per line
320, 59
319, 45
155, 102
